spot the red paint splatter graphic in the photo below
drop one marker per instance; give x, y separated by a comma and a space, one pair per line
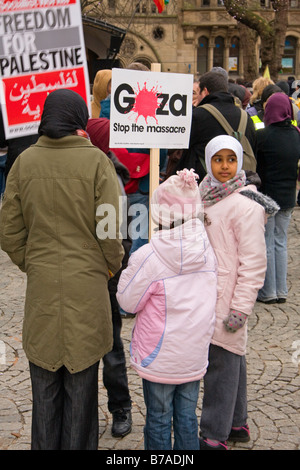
146, 103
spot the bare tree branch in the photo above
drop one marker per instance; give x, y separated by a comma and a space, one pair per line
272, 33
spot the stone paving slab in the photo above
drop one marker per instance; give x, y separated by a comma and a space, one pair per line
273, 369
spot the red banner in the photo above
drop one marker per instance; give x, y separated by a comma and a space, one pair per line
19, 5
26, 93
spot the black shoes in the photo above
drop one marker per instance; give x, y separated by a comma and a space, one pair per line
241, 434
272, 301
122, 423
206, 444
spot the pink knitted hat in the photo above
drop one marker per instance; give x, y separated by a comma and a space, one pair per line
176, 199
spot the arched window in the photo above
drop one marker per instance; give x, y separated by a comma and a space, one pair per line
202, 55
112, 4
144, 61
234, 51
218, 52
289, 55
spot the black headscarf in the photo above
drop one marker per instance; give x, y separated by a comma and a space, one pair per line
65, 111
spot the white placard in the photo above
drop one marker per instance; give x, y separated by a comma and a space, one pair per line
150, 109
41, 49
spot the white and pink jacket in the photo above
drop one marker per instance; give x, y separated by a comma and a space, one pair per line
171, 284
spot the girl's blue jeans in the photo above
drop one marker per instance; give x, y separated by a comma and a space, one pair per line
275, 285
166, 403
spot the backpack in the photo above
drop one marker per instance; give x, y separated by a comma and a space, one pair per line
249, 160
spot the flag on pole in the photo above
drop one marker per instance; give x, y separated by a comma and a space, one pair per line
160, 4
267, 72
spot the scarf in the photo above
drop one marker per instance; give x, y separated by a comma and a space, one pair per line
210, 193
215, 145
278, 108
65, 112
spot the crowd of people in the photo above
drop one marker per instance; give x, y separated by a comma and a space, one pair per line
222, 211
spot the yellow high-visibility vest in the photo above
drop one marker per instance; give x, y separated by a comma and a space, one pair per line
258, 123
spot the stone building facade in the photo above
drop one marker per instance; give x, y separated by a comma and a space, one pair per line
189, 36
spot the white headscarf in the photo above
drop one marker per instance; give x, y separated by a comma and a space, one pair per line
215, 145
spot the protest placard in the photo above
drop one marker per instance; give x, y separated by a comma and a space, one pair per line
41, 49
150, 109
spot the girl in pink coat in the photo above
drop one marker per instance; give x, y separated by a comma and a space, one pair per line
171, 286
237, 216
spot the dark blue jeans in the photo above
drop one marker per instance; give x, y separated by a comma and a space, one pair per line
139, 225
114, 366
276, 235
165, 402
65, 409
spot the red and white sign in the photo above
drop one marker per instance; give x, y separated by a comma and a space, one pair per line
41, 49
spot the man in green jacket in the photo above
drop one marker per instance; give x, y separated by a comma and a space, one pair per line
52, 207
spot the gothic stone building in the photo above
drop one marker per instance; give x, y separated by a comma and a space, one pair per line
189, 36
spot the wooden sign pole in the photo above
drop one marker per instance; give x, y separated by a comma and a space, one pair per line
154, 167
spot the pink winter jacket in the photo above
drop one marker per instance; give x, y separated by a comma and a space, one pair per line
236, 233
171, 284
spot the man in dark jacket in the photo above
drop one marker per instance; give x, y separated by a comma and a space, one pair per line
213, 90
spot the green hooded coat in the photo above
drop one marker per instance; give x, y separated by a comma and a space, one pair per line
48, 227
